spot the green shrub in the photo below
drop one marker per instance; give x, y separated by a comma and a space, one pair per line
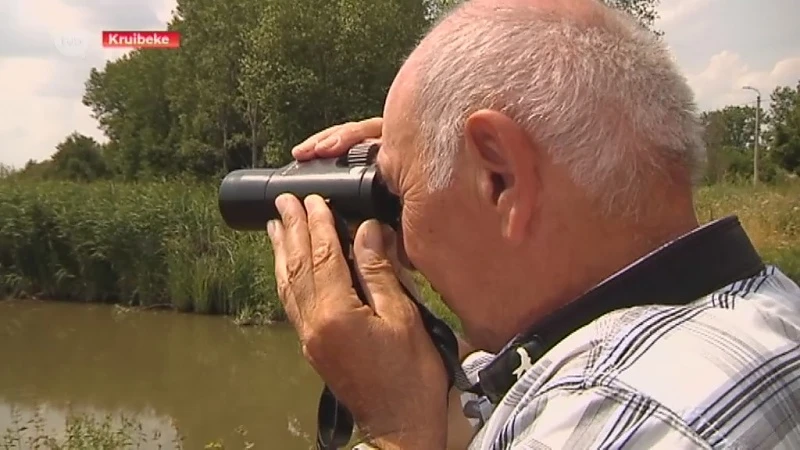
164, 243
136, 244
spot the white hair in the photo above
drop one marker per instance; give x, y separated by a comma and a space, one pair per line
604, 98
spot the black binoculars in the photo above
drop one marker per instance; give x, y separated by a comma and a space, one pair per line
353, 187
351, 183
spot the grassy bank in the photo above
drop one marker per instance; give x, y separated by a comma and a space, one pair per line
164, 244
155, 244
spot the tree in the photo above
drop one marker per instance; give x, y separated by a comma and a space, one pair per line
129, 100
6, 171
208, 65
79, 158
34, 170
729, 139
321, 62
253, 78
785, 134
644, 11
251, 103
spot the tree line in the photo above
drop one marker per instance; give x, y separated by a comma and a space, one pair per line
253, 78
730, 135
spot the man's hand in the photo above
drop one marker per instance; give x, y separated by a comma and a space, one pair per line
336, 140
377, 359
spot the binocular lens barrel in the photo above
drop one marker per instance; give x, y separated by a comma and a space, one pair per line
243, 200
351, 184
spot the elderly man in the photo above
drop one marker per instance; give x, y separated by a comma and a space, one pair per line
544, 152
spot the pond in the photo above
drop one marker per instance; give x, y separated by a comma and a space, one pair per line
200, 375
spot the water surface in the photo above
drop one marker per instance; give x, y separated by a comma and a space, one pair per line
204, 374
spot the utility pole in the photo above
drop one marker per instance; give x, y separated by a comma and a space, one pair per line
757, 133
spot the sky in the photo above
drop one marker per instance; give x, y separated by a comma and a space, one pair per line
47, 48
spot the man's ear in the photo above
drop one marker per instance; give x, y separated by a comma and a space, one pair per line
505, 169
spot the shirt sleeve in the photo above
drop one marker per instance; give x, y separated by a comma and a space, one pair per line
598, 417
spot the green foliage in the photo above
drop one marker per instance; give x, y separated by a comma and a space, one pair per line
643, 10
6, 171
735, 165
730, 138
141, 244
79, 158
769, 214
128, 100
732, 126
786, 133
164, 244
250, 80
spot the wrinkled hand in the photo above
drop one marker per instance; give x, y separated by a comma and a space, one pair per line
336, 140
377, 359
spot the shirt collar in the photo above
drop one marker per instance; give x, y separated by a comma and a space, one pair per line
701, 261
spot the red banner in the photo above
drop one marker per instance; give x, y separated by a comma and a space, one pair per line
141, 39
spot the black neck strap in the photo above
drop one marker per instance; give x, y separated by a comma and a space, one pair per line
697, 264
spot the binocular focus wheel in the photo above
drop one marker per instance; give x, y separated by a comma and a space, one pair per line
362, 154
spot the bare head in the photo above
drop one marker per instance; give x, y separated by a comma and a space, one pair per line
539, 146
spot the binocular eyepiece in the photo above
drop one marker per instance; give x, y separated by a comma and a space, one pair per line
351, 183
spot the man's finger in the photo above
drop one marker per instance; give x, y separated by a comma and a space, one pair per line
276, 237
305, 149
336, 140
378, 276
331, 274
297, 251
349, 135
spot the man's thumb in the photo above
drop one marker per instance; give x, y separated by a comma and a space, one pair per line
376, 274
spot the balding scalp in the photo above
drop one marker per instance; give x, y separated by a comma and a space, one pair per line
587, 82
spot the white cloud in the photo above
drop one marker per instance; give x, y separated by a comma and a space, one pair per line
724, 45
164, 9
32, 125
720, 46
41, 84
721, 82
47, 15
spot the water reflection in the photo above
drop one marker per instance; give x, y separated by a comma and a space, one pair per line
158, 430
204, 373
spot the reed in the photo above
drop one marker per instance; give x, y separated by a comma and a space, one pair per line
163, 244
151, 245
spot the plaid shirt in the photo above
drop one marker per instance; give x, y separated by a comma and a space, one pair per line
722, 372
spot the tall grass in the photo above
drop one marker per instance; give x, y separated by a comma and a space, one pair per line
154, 244
165, 244
769, 213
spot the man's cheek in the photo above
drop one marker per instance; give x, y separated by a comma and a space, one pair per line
408, 252
398, 250
402, 256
